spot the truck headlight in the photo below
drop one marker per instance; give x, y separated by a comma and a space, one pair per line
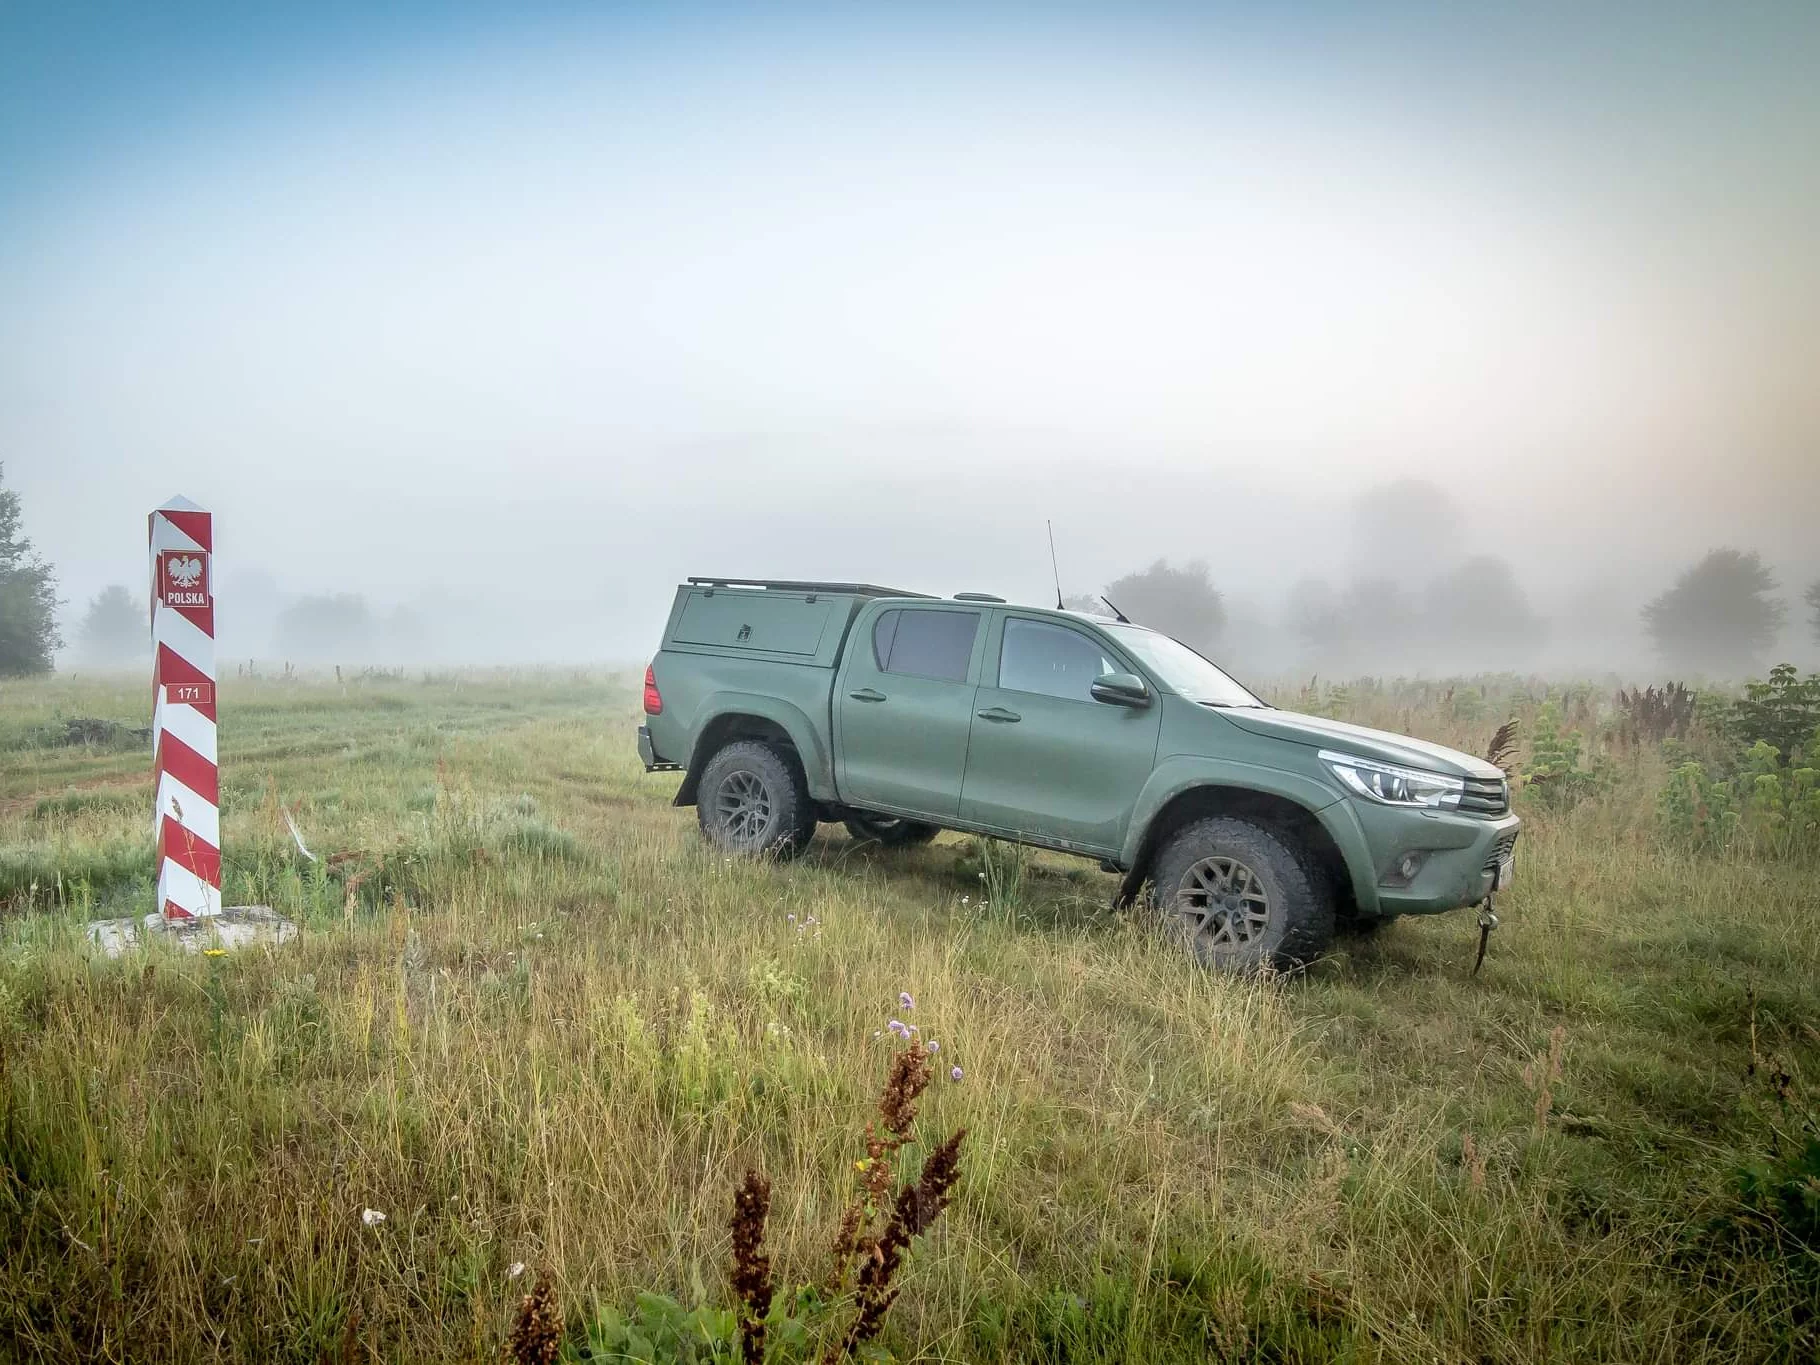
1390, 785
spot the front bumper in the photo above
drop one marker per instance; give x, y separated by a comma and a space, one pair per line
1462, 854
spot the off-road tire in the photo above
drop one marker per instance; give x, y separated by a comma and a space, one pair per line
889, 831
753, 799
1279, 917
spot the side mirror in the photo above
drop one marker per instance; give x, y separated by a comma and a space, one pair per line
1121, 689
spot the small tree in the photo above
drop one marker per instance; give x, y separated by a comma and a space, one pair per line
1375, 607
1313, 613
1720, 615
1413, 507
28, 597
1813, 605
327, 629
114, 630
1180, 602
1479, 609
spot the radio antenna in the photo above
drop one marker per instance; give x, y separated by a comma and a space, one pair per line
1053, 567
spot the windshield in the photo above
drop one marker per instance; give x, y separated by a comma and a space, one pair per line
1180, 669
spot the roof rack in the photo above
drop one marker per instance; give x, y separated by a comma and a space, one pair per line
794, 585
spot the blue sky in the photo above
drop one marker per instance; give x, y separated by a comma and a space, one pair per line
353, 265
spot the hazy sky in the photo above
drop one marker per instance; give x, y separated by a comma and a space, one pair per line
561, 304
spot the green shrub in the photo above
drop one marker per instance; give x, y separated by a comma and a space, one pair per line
1772, 808
1783, 712
1555, 773
1783, 1193
1696, 811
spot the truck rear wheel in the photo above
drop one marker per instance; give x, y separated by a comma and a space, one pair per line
753, 799
889, 830
1241, 896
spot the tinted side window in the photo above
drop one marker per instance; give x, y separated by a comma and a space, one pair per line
1052, 661
882, 635
932, 644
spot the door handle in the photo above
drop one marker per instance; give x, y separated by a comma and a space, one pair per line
866, 694
999, 714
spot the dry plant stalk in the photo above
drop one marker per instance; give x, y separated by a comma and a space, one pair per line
1474, 1162
910, 1074
846, 1238
537, 1337
880, 1254
350, 1338
916, 1208
1542, 1074
751, 1266
1503, 747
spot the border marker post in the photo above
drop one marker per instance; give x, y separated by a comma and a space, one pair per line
180, 541
180, 537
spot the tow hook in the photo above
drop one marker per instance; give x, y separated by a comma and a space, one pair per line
1488, 920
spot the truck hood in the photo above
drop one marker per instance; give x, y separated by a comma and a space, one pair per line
1322, 733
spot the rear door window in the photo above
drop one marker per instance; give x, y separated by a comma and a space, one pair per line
926, 643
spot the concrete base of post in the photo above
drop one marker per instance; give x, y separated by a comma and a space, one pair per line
237, 926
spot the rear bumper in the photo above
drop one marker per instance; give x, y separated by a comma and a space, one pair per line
649, 756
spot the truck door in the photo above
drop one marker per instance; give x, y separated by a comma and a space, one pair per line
904, 705
1046, 759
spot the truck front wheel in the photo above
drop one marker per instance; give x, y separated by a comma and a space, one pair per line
1241, 896
752, 799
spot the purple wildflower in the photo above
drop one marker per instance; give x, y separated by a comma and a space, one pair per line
901, 1029
907, 1000
956, 1074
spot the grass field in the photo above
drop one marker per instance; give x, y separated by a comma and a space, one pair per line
531, 1020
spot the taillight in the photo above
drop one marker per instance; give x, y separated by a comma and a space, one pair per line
654, 700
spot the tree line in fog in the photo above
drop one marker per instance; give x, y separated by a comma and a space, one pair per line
1720, 616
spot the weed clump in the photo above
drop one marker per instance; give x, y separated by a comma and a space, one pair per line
870, 1246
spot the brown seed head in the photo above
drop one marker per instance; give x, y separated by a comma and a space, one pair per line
537, 1337
751, 1267
908, 1079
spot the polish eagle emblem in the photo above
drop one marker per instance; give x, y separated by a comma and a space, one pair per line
185, 571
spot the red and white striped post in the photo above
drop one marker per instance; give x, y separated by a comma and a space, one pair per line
188, 813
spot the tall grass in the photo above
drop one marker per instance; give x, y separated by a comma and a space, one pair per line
532, 1021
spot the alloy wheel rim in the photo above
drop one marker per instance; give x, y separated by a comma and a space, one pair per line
1222, 904
743, 805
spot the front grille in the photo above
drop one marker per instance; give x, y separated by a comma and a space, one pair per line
1500, 850
1485, 796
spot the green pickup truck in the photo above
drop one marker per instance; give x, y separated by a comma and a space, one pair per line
901, 715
